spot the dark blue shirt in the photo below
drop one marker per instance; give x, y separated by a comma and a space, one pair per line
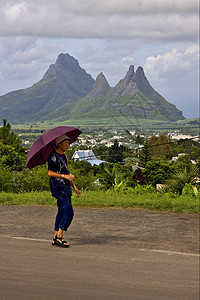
58, 163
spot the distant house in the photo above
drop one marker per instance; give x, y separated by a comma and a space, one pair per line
87, 155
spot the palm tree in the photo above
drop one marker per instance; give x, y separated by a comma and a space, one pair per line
180, 178
114, 177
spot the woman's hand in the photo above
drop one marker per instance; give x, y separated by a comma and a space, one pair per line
77, 192
70, 177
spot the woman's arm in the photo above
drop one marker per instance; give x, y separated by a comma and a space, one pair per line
70, 177
76, 189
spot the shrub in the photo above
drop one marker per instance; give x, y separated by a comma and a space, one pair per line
190, 190
5, 179
143, 189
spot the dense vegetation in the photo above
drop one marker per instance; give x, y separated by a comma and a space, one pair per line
120, 176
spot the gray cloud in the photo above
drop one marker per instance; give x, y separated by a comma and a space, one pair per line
152, 20
23, 61
104, 7
105, 36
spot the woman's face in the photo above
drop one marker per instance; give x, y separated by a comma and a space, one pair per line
64, 145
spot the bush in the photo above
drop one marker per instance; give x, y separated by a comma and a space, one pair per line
6, 179
144, 189
31, 180
190, 190
10, 158
157, 171
24, 181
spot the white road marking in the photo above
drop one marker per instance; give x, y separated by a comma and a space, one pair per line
170, 252
30, 239
149, 250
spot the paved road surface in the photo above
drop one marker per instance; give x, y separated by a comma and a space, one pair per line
96, 266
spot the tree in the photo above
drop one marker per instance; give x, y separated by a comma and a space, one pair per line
158, 171
160, 146
182, 162
5, 132
139, 140
10, 158
116, 152
195, 152
102, 151
145, 155
180, 178
8, 137
187, 146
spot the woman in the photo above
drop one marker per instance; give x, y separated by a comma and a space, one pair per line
60, 184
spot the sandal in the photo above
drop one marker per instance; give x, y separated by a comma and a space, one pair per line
59, 241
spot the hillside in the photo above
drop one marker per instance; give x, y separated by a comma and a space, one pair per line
55, 94
67, 91
132, 96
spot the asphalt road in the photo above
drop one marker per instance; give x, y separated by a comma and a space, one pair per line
96, 267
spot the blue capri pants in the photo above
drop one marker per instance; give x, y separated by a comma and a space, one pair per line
65, 212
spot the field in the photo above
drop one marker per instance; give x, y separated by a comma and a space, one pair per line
31, 131
121, 122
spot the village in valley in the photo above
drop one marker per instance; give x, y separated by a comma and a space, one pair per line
91, 139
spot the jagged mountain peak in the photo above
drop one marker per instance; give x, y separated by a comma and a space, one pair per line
67, 61
102, 81
140, 75
126, 85
140, 71
130, 75
68, 90
99, 89
63, 84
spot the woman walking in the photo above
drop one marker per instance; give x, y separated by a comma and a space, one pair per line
61, 182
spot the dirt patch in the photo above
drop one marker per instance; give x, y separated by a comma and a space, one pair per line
133, 227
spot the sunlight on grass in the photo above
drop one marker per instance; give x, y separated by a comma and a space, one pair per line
100, 199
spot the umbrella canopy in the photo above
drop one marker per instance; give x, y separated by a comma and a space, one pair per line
45, 144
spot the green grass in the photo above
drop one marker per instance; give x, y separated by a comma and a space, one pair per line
27, 199
100, 199
120, 122
106, 122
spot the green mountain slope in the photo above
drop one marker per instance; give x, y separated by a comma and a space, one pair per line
66, 92
62, 85
132, 96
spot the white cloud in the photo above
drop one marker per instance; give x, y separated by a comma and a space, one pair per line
173, 63
175, 76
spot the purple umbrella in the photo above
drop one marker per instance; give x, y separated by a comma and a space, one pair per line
45, 144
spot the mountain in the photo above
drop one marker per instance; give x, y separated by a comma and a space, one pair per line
68, 91
55, 94
132, 96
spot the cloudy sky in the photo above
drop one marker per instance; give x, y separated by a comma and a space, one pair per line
105, 36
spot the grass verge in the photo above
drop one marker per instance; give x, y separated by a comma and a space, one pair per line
100, 199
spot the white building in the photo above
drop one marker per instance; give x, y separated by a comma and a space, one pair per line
87, 155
